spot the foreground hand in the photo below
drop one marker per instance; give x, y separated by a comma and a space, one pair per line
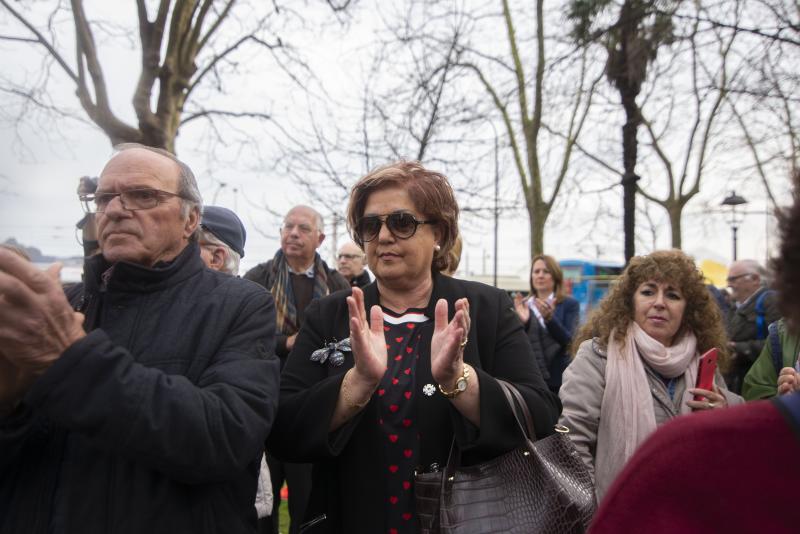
713, 399
37, 323
788, 381
447, 351
521, 307
367, 340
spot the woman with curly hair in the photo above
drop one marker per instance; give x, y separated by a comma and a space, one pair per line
637, 361
754, 486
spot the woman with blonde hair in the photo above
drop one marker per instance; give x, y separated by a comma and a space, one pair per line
637, 359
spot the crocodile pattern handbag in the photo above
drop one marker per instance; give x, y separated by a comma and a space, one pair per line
541, 487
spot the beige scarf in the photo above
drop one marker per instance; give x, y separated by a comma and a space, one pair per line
627, 416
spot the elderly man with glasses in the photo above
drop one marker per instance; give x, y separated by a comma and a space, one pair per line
139, 402
352, 263
295, 276
756, 308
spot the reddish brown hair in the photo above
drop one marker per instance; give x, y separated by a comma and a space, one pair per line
429, 191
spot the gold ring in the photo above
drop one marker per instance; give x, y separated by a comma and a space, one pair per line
463, 343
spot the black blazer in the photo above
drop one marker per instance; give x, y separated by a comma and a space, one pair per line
348, 483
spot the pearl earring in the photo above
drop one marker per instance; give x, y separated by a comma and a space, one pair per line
437, 247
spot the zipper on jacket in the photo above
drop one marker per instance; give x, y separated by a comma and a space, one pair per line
305, 527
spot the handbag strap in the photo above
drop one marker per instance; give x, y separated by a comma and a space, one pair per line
525, 423
517, 404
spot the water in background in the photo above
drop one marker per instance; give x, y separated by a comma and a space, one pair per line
70, 273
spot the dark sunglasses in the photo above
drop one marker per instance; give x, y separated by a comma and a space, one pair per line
402, 225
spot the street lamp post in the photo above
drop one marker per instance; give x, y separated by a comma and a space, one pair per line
732, 201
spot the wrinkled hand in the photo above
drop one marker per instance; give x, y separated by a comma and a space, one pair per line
521, 307
36, 322
788, 381
714, 399
447, 354
544, 307
367, 340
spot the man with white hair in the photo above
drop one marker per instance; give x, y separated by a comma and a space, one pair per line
756, 308
295, 276
140, 401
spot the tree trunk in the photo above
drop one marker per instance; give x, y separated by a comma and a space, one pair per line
535, 217
675, 212
629, 153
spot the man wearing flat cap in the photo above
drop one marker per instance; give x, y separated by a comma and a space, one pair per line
221, 239
140, 401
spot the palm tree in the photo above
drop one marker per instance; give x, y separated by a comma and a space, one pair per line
632, 42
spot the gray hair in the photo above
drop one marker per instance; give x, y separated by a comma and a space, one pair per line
231, 265
753, 267
187, 184
317, 216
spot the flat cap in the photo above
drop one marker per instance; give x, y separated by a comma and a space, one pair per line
225, 226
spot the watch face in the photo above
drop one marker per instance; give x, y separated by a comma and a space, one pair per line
461, 385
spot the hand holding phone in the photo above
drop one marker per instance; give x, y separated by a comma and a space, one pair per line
705, 372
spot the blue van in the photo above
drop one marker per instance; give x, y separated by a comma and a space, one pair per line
588, 282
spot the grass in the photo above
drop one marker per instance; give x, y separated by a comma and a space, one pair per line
283, 514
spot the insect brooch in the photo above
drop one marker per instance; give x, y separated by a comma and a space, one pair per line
333, 352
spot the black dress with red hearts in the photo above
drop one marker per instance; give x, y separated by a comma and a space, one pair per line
396, 412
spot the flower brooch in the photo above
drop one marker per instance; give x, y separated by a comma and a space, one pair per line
332, 352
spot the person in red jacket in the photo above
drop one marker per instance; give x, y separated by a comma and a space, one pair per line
733, 470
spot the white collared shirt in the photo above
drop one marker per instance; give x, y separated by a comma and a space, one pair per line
309, 273
531, 304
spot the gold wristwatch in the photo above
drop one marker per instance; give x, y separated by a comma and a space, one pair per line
461, 385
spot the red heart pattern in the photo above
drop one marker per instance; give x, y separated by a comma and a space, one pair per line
396, 417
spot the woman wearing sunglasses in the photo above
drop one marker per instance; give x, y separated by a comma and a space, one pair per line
380, 382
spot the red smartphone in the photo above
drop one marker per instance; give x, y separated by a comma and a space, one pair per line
705, 372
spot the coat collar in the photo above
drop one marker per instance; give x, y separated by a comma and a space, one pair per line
131, 277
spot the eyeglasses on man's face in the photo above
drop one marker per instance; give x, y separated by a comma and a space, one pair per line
144, 198
344, 256
732, 279
401, 224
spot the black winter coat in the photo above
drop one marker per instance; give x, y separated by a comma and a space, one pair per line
348, 480
155, 421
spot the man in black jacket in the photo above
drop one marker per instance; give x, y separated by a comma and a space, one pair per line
295, 276
352, 264
147, 409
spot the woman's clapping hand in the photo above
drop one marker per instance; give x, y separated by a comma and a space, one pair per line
448, 342
367, 340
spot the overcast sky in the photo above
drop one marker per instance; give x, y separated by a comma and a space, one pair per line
41, 165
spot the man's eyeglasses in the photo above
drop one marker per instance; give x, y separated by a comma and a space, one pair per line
732, 279
131, 200
302, 228
402, 225
343, 256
